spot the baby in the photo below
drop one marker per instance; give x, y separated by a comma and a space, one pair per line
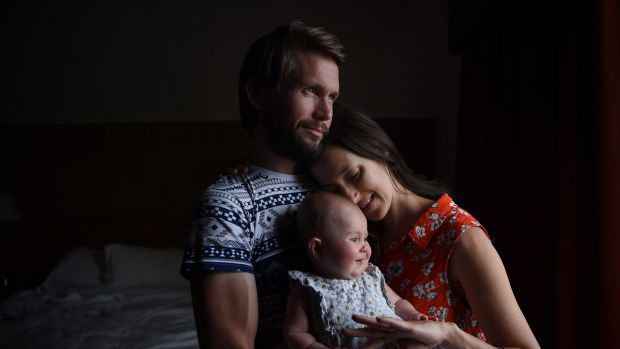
343, 282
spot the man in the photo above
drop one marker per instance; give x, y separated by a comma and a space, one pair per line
241, 241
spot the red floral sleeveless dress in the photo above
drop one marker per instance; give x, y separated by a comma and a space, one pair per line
416, 267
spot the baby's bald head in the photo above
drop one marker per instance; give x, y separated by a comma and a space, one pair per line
321, 212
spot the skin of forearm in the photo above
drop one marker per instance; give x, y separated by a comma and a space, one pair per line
316, 345
302, 340
230, 341
459, 339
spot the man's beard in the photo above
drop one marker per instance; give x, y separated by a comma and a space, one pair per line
290, 143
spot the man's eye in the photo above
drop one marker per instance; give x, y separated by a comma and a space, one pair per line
356, 175
310, 90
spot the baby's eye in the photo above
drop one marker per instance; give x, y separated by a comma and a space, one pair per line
355, 239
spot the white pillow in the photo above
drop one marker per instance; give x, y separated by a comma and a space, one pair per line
133, 266
79, 268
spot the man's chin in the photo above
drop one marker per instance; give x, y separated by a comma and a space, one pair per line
298, 149
306, 150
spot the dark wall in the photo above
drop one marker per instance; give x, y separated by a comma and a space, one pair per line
154, 60
107, 61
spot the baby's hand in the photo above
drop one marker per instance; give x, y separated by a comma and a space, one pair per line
419, 316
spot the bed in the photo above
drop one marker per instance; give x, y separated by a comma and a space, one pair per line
121, 296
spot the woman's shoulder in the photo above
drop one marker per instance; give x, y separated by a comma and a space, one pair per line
441, 225
446, 214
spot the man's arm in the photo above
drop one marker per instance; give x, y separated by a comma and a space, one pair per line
225, 309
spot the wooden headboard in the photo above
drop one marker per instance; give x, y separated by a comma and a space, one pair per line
134, 183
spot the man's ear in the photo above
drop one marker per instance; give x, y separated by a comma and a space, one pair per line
315, 247
257, 93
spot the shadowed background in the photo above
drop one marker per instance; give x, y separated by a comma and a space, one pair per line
116, 113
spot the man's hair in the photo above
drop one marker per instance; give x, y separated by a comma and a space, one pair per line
269, 59
356, 132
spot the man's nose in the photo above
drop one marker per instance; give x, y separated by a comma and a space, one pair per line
324, 109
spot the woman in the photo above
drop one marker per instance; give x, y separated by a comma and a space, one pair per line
432, 252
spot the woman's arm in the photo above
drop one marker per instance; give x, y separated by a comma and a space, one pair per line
413, 334
297, 321
476, 266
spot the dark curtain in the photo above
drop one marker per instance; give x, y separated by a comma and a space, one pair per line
610, 170
529, 160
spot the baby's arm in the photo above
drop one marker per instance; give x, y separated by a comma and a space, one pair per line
297, 321
403, 307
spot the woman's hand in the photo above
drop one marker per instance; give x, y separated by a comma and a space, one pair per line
408, 334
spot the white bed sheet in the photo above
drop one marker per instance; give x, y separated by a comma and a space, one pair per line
98, 317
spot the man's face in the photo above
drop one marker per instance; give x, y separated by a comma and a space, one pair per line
303, 108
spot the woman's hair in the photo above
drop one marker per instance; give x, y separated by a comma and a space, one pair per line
356, 132
269, 59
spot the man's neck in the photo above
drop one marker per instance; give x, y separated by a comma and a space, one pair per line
264, 157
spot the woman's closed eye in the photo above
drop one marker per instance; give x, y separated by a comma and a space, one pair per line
355, 176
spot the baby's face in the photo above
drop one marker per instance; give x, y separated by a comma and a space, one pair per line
345, 244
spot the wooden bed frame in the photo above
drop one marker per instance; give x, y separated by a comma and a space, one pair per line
134, 183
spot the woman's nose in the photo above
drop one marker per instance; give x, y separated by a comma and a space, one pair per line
352, 194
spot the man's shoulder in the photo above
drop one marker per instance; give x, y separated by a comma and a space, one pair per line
227, 191
227, 184
258, 182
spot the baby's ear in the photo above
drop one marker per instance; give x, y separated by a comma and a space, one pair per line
315, 247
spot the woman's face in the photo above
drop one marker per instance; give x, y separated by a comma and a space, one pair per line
364, 181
